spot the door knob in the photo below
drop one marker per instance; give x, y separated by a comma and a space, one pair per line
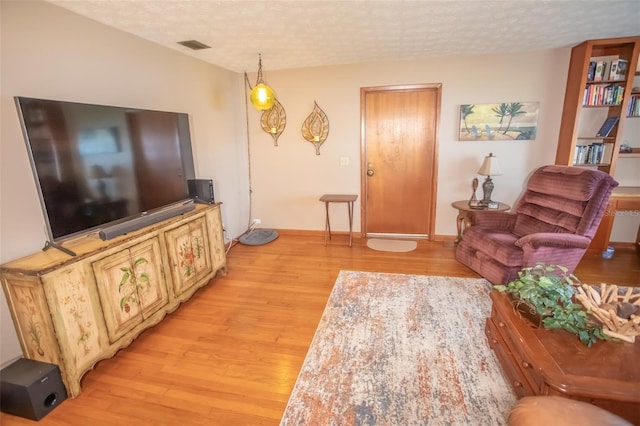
370, 172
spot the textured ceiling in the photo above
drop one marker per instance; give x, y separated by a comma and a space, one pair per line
295, 34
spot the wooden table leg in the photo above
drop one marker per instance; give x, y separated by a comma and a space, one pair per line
327, 225
349, 199
350, 206
459, 219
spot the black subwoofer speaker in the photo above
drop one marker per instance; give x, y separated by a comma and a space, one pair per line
31, 389
201, 190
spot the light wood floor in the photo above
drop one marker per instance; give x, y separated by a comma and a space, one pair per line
231, 355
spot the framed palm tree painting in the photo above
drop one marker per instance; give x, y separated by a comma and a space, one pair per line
504, 121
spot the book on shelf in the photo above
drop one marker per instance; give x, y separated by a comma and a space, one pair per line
607, 127
621, 70
601, 67
595, 153
603, 94
578, 154
613, 69
633, 110
613, 94
591, 71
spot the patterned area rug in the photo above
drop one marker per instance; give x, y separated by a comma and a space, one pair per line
393, 349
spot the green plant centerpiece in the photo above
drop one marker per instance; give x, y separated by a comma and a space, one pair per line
549, 291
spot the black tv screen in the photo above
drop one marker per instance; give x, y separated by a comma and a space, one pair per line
97, 165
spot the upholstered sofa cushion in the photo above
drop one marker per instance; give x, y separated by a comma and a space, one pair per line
567, 182
498, 245
539, 218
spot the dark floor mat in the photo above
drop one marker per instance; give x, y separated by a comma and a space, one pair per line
258, 237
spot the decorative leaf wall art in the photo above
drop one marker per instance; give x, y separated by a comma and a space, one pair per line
315, 127
274, 120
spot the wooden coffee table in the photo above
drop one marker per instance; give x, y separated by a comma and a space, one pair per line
538, 361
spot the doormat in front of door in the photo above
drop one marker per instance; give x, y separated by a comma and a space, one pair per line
383, 244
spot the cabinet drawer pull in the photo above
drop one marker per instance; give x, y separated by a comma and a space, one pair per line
494, 341
525, 364
517, 384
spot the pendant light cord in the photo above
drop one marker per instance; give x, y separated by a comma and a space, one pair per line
235, 241
246, 116
259, 79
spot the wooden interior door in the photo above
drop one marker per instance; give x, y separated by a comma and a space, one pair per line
399, 148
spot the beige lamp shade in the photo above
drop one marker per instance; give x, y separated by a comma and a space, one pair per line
490, 166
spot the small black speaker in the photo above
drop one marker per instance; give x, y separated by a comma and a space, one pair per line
31, 389
201, 190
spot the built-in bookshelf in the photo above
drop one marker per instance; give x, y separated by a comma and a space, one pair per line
599, 89
633, 110
630, 149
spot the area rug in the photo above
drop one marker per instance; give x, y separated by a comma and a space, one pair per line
382, 244
393, 349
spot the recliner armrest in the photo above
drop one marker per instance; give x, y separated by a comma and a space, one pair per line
554, 239
504, 221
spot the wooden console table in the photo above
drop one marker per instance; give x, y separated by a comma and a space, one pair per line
76, 311
538, 361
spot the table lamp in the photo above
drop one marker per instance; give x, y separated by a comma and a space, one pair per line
489, 168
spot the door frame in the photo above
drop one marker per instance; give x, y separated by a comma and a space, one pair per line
363, 151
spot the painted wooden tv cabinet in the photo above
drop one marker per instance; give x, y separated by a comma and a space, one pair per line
76, 311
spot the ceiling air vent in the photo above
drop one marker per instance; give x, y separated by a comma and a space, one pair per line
194, 45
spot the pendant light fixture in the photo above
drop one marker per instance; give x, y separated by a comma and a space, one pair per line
262, 96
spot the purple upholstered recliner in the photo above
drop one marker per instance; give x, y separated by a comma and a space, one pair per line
552, 223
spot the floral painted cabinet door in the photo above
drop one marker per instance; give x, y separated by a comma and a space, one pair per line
131, 286
67, 335
190, 254
31, 316
78, 325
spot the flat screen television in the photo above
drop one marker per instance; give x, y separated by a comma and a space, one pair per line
97, 166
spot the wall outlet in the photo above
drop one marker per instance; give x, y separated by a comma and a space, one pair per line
344, 161
257, 221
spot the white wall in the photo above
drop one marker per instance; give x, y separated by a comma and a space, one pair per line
48, 52
288, 180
